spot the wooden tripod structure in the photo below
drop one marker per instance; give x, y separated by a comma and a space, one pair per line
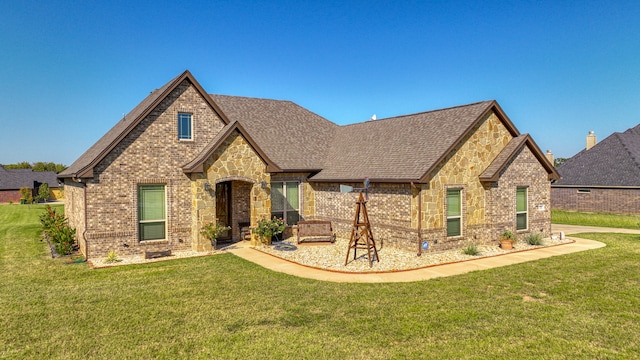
361, 235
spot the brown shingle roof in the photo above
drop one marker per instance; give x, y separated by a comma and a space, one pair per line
403, 148
615, 161
83, 166
292, 136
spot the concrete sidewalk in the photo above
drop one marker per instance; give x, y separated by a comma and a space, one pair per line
287, 267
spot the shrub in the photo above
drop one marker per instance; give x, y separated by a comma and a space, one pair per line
26, 195
212, 230
267, 228
43, 193
471, 249
55, 226
534, 239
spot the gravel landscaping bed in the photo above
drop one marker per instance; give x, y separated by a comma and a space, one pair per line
332, 256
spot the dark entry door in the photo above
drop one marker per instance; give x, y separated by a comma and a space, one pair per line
223, 207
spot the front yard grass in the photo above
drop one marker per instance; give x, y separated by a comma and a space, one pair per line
578, 306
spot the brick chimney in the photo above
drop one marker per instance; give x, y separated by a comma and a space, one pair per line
549, 156
591, 140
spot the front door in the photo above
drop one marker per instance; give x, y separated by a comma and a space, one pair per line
223, 207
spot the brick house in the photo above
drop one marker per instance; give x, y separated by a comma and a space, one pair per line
604, 177
11, 180
183, 158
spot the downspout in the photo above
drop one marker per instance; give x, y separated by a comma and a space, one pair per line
419, 217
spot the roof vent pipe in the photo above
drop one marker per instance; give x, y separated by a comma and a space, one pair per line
591, 140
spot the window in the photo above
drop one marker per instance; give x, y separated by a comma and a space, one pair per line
285, 201
584, 191
521, 208
151, 212
184, 126
454, 212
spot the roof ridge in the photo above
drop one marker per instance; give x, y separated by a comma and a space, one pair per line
420, 113
252, 98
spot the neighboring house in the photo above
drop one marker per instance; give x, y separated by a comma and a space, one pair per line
183, 158
11, 180
604, 177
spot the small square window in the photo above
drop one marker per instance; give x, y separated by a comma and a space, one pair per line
184, 126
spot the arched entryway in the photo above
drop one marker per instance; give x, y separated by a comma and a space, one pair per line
233, 206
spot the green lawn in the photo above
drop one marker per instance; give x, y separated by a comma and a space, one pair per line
579, 306
595, 219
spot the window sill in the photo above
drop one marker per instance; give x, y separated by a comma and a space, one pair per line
154, 242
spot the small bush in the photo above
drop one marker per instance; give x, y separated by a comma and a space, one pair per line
534, 239
112, 257
26, 195
471, 249
61, 235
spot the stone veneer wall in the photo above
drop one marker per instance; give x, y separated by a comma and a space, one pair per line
150, 154
74, 211
619, 201
461, 170
235, 160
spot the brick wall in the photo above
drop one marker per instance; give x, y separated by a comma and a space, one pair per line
389, 210
523, 171
620, 201
150, 154
10, 196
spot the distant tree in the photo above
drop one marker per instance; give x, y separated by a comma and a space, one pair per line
37, 166
20, 165
43, 193
559, 161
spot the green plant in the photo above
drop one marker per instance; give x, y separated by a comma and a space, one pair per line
55, 226
212, 230
43, 193
112, 257
508, 235
26, 195
471, 249
266, 228
534, 239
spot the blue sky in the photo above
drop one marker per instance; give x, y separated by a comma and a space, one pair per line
70, 69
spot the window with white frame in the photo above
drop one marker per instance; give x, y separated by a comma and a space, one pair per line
454, 212
151, 212
285, 201
185, 126
521, 208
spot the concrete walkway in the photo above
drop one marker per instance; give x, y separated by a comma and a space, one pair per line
277, 264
